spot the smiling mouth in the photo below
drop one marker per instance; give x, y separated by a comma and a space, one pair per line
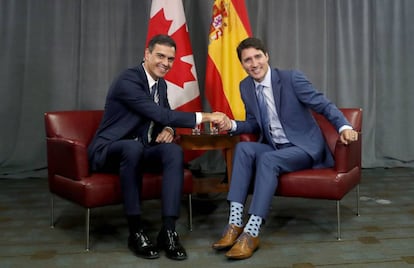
163, 69
256, 71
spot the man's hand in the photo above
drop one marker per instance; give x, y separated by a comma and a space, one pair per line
165, 136
348, 135
223, 122
220, 119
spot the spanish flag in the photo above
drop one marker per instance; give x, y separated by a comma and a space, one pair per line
229, 26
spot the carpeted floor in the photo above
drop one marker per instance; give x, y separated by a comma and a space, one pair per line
299, 232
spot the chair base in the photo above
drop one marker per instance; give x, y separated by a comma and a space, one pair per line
88, 219
338, 212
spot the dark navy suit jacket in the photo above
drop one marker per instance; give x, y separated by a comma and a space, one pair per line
129, 109
294, 98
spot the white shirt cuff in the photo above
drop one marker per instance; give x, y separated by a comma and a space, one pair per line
233, 126
344, 127
199, 118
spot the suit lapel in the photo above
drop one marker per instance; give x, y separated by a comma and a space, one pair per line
251, 95
162, 91
277, 87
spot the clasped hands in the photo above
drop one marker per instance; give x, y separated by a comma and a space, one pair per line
221, 120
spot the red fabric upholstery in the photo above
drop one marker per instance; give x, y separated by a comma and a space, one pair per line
68, 134
328, 183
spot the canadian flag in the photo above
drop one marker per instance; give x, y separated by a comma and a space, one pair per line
167, 17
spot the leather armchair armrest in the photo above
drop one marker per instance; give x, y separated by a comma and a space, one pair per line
347, 156
67, 158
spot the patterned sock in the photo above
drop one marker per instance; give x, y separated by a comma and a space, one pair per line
253, 225
236, 214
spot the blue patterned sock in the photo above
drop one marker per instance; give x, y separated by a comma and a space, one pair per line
236, 214
253, 225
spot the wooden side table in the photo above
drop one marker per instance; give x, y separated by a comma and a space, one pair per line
206, 141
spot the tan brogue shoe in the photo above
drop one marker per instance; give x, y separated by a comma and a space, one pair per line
244, 247
230, 234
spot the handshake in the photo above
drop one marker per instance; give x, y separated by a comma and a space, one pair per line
221, 120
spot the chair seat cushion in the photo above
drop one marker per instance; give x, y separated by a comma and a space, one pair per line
324, 183
101, 189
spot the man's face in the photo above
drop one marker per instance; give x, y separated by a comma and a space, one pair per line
159, 61
255, 63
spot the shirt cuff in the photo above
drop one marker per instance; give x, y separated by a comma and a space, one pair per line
170, 129
344, 127
199, 118
233, 126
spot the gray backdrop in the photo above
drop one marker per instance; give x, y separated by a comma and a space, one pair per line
63, 54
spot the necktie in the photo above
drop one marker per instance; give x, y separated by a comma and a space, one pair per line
155, 97
263, 113
154, 93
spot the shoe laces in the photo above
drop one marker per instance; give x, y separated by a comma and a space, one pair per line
173, 238
144, 238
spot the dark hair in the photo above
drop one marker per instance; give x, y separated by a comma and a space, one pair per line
250, 42
161, 39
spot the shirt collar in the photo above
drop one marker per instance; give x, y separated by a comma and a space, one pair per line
151, 80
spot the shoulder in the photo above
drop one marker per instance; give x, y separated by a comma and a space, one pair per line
129, 78
287, 74
246, 82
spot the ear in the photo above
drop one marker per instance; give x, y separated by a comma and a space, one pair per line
146, 54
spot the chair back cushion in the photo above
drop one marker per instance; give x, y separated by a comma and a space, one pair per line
77, 126
68, 134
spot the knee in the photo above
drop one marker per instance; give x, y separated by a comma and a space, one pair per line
267, 161
243, 148
174, 152
132, 152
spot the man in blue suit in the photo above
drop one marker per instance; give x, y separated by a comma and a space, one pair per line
136, 134
278, 107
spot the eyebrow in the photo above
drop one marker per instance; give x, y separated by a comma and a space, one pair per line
164, 56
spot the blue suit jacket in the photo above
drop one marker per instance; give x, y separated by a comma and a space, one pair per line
295, 97
129, 109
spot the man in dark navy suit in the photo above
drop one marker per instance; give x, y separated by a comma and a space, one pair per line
136, 132
278, 108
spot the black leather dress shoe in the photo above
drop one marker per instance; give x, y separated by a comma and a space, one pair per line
141, 246
168, 240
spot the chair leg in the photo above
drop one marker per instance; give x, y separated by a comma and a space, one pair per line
338, 215
52, 212
357, 197
87, 225
190, 213
338, 211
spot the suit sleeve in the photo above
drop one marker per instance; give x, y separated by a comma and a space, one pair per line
316, 100
134, 94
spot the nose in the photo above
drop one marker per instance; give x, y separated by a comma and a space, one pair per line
165, 61
254, 63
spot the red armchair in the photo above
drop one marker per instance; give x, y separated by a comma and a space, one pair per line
328, 183
68, 134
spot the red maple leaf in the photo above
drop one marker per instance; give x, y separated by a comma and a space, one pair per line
158, 24
181, 71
